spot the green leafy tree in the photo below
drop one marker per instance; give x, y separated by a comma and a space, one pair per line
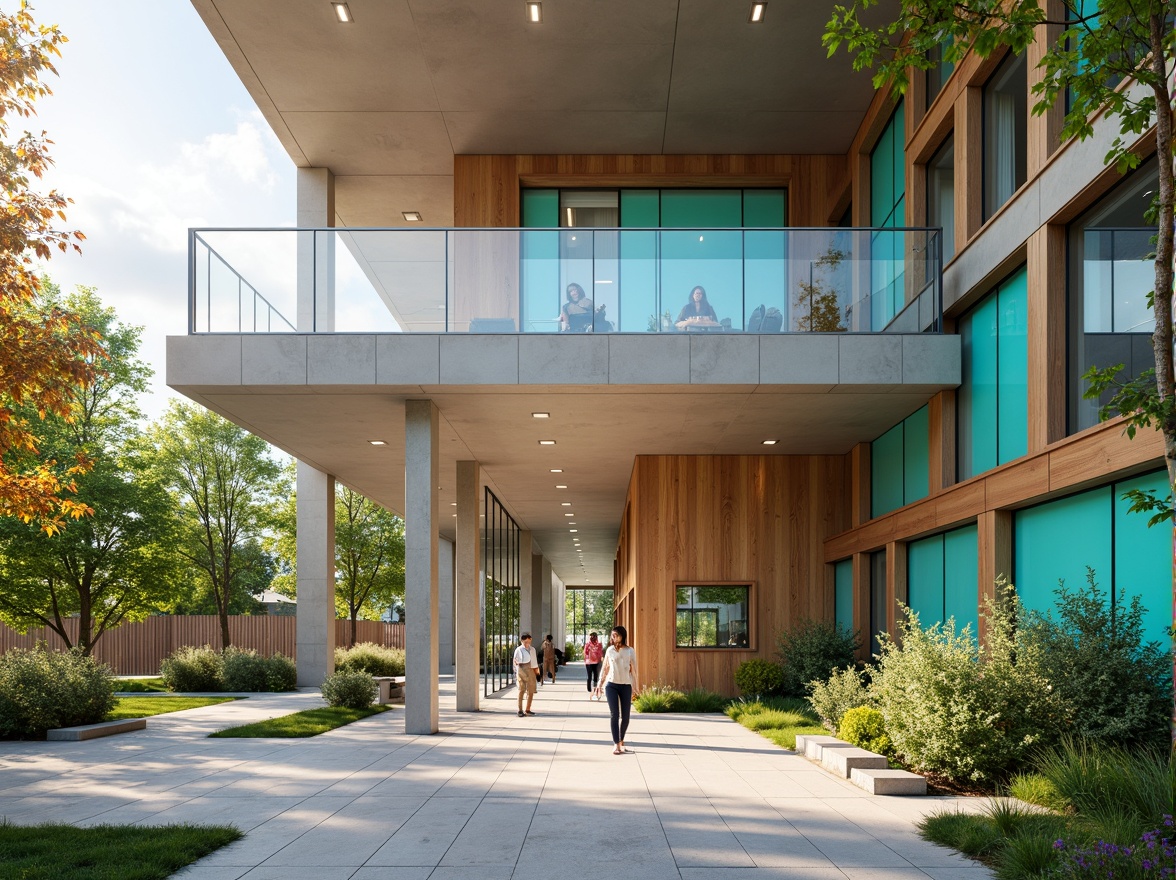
116, 564
223, 480
1113, 58
369, 555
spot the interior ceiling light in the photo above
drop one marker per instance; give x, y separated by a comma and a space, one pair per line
343, 13
556, 471
757, 13
378, 442
770, 442
573, 530
540, 415
412, 216
546, 442
558, 486
565, 504
569, 514
534, 12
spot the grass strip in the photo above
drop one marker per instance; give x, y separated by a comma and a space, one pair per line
310, 722
144, 707
140, 686
785, 737
105, 852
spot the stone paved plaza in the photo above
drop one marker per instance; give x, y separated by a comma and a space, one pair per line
492, 797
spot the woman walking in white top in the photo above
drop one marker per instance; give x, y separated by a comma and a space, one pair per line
619, 680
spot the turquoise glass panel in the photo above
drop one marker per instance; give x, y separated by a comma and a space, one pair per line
540, 290
763, 208
540, 208
1059, 540
843, 593
1012, 370
886, 472
1143, 557
925, 579
916, 457
882, 177
980, 379
641, 208
898, 159
961, 577
638, 289
701, 208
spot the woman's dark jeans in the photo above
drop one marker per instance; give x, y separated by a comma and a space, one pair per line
620, 701
593, 670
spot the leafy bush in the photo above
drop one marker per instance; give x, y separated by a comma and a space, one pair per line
191, 669
41, 690
831, 699
371, 658
702, 700
865, 728
1116, 688
758, 677
659, 698
812, 651
351, 689
243, 669
280, 673
954, 708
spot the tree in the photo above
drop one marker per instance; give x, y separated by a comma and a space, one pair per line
1113, 59
45, 353
222, 479
116, 564
369, 555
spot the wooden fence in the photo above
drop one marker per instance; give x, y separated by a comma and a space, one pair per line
137, 648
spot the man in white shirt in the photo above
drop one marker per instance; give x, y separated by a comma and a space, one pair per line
526, 665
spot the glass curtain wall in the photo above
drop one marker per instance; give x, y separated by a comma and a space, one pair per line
500, 599
1006, 109
888, 210
943, 578
587, 611
941, 195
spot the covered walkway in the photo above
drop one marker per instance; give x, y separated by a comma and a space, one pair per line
492, 797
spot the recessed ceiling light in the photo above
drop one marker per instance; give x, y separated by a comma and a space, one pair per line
757, 13
573, 530
378, 442
556, 471
534, 12
571, 524
540, 415
565, 504
569, 514
771, 442
546, 442
412, 216
343, 13
453, 504
455, 516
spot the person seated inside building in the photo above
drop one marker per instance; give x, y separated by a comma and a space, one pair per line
697, 313
576, 314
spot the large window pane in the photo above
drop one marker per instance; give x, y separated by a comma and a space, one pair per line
1005, 121
712, 616
1012, 369
941, 195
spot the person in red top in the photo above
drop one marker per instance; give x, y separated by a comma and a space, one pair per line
593, 656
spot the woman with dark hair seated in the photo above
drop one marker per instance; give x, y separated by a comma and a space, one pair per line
576, 314
697, 313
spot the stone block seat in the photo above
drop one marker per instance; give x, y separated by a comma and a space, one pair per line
863, 768
391, 689
93, 731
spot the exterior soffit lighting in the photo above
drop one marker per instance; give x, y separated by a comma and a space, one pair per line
412, 216
534, 12
343, 13
565, 504
378, 442
546, 442
560, 486
756, 16
556, 471
573, 530
569, 514
540, 415
771, 442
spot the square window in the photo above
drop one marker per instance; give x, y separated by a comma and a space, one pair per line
713, 616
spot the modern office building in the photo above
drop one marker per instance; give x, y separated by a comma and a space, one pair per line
486, 321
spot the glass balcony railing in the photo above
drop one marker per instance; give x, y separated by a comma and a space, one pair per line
834, 280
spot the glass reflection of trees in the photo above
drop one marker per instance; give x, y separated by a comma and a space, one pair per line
500, 601
712, 616
588, 611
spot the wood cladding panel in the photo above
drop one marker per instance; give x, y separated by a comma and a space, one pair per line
712, 519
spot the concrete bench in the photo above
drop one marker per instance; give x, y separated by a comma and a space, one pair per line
815, 745
843, 761
93, 731
877, 781
391, 689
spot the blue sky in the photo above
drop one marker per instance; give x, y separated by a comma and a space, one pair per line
153, 133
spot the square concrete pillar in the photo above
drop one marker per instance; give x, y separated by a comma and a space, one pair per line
527, 616
420, 566
535, 606
446, 599
468, 584
315, 624
316, 251
545, 587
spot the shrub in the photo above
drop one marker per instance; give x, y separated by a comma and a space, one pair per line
41, 690
843, 691
812, 651
1116, 688
280, 673
659, 698
865, 728
371, 658
702, 700
192, 669
758, 677
959, 710
243, 669
351, 689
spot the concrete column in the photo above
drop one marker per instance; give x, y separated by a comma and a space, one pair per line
546, 589
315, 546
420, 566
468, 582
536, 604
528, 620
316, 251
446, 597
559, 626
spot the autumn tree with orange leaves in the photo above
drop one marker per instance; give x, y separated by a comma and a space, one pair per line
45, 355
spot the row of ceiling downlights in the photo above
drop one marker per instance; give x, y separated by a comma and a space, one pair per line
534, 11
569, 516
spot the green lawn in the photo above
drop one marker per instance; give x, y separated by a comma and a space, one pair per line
140, 685
144, 707
310, 722
779, 719
105, 852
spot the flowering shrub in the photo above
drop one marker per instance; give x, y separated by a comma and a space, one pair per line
1153, 858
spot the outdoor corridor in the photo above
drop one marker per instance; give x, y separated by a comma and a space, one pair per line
492, 797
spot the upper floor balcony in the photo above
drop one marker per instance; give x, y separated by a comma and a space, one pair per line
827, 280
